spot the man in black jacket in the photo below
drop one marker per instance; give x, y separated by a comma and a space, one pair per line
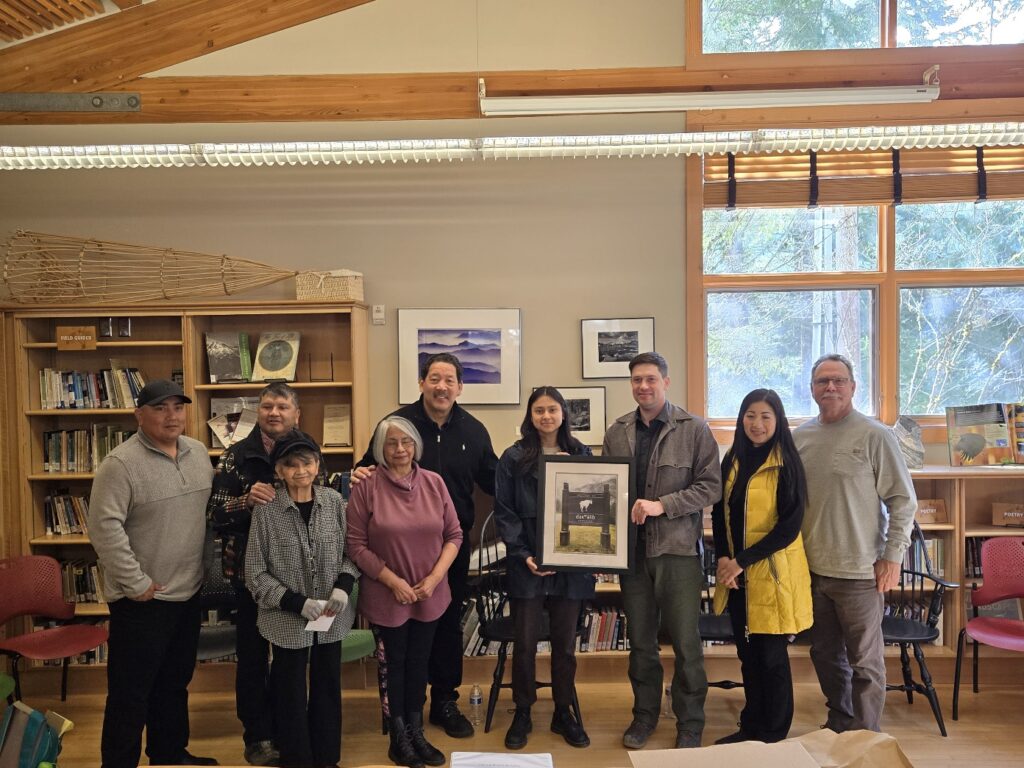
245, 478
457, 447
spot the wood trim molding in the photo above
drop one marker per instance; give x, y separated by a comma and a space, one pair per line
123, 46
453, 95
695, 313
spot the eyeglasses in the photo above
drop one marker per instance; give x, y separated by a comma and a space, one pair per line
407, 443
837, 381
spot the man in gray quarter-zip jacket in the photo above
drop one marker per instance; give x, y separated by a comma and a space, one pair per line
854, 545
147, 522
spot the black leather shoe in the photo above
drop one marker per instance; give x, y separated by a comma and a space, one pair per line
565, 725
454, 722
188, 759
521, 726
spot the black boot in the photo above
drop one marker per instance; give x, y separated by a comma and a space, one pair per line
401, 751
427, 751
519, 731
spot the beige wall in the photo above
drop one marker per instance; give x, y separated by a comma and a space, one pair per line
560, 239
463, 36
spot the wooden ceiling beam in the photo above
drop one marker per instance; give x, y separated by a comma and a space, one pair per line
124, 5
27, 21
982, 92
57, 10
16, 22
120, 47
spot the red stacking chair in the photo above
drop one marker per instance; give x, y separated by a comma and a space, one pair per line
31, 586
1002, 568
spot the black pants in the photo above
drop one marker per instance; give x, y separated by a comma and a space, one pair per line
767, 681
528, 620
446, 655
253, 702
152, 654
308, 727
406, 651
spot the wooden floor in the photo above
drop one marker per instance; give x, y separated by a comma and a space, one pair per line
989, 733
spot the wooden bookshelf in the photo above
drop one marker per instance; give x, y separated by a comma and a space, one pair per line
165, 340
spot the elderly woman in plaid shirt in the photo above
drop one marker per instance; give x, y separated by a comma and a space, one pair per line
297, 569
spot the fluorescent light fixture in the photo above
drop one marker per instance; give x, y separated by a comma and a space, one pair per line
516, 106
641, 145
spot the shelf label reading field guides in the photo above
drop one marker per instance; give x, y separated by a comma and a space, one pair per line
71, 337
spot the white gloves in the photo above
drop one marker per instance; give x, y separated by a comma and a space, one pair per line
337, 602
311, 610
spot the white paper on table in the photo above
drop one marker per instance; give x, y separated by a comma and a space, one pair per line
323, 623
500, 760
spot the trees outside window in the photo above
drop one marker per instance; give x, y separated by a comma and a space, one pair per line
760, 26
784, 286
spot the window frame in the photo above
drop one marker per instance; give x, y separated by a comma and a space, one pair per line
886, 282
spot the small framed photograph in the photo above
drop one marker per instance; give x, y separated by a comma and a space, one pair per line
583, 516
486, 342
586, 409
609, 345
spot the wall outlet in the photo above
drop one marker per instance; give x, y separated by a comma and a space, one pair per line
377, 314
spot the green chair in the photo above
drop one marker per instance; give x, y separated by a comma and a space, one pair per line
358, 644
6, 686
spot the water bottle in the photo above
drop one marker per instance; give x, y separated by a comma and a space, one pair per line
666, 703
476, 705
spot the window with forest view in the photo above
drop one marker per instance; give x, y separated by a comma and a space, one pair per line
959, 342
960, 346
930, 23
777, 240
771, 339
736, 26
960, 235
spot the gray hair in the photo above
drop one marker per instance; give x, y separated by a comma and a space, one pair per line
381, 433
833, 357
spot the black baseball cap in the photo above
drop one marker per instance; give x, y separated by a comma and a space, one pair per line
290, 442
158, 391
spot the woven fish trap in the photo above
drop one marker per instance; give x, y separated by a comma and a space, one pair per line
40, 268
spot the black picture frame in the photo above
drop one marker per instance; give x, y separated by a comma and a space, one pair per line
585, 492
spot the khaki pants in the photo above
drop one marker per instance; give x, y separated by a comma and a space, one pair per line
847, 651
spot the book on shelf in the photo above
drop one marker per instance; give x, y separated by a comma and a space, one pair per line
986, 434
227, 357
82, 582
276, 356
230, 407
64, 514
972, 556
338, 425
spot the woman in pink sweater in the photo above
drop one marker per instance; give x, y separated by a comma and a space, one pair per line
403, 534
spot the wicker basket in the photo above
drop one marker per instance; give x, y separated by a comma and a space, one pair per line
335, 285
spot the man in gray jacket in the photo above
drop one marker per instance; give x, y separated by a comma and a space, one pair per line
854, 546
677, 476
147, 522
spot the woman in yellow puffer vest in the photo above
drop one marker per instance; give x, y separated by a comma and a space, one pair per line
762, 572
